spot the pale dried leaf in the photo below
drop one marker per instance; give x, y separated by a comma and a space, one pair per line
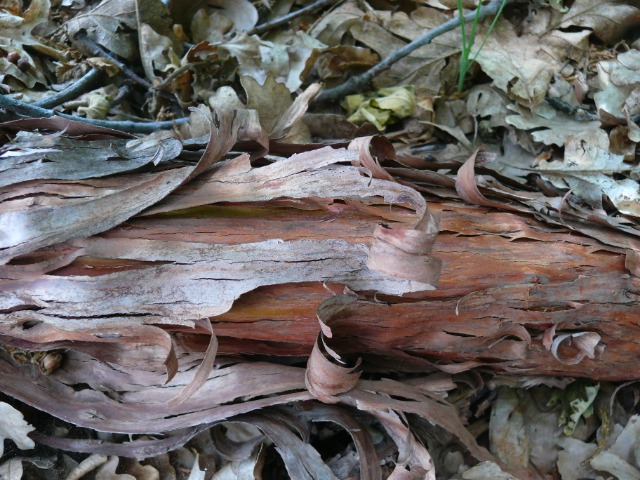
331, 27
260, 58
156, 52
196, 473
618, 79
104, 22
14, 427
508, 434
87, 465
241, 12
143, 472
573, 459
487, 471
551, 127
108, 471
613, 464
16, 33
11, 469
609, 20
587, 169
248, 469
269, 98
625, 445
523, 64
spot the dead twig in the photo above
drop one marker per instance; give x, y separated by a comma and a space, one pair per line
578, 113
31, 110
362, 81
289, 17
84, 84
95, 50
176, 73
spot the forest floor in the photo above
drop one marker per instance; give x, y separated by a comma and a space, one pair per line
543, 96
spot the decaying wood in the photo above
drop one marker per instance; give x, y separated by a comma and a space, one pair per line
506, 279
319, 252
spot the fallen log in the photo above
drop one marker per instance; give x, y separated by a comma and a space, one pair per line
210, 291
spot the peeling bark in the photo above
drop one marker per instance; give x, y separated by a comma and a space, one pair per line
261, 253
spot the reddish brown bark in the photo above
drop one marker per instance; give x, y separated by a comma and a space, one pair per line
505, 280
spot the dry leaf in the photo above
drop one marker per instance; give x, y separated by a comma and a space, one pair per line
14, 427
609, 20
523, 65
106, 22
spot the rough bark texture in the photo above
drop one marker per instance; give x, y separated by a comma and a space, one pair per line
204, 291
505, 280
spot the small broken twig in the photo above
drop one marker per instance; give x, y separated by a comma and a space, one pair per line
578, 113
291, 16
97, 51
362, 81
30, 110
85, 84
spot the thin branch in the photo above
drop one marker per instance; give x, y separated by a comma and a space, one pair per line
26, 109
97, 51
85, 84
278, 22
179, 71
362, 81
578, 113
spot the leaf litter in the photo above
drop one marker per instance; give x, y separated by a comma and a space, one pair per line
139, 256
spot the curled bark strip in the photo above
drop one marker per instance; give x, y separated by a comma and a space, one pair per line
411, 453
202, 372
369, 461
69, 127
138, 449
372, 150
397, 251
326, 377
384, 395
295, 111
301, 460
404, 253
584, 345
467, 187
